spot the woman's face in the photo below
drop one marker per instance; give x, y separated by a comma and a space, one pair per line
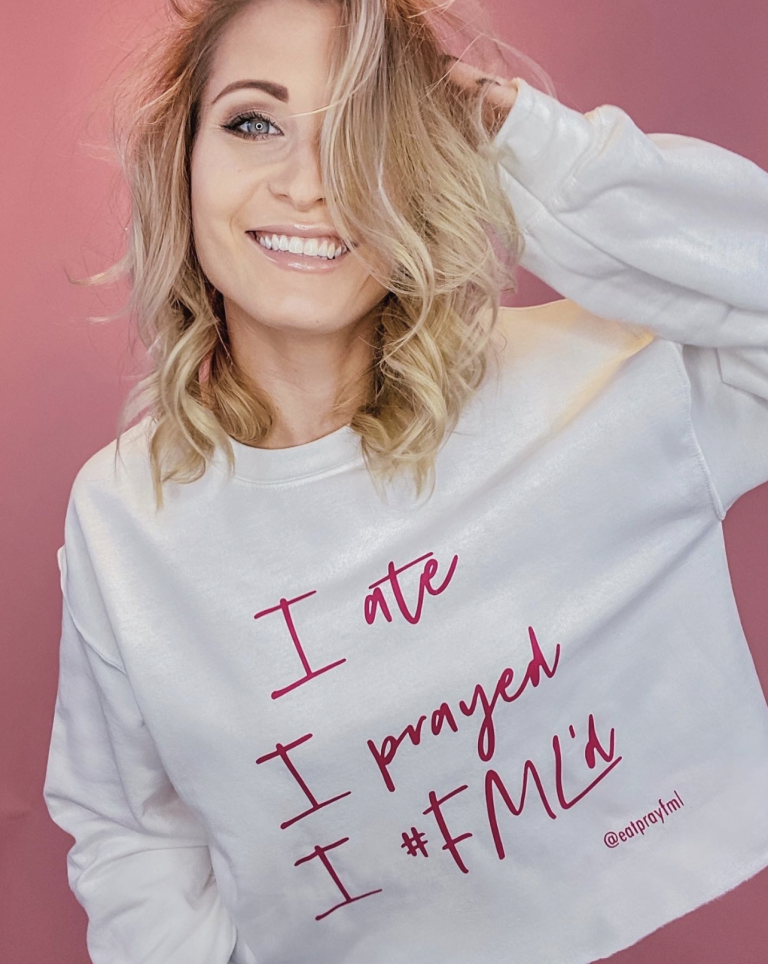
241, 182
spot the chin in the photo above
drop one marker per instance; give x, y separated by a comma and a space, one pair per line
299, 316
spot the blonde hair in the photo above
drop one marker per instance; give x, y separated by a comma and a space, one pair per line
408, 163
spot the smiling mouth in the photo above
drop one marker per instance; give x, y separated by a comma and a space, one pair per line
317, 249
308, 264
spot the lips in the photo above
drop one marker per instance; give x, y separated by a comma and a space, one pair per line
291, 261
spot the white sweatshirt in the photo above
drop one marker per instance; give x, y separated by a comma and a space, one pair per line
518, 723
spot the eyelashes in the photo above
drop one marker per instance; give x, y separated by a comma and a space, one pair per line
246, 118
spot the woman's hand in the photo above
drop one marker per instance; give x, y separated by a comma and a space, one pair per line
501, 91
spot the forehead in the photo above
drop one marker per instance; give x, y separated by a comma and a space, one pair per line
286, 41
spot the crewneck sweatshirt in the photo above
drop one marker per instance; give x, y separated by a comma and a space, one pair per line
515, 722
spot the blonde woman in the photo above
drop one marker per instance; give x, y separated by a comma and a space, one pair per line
399, 627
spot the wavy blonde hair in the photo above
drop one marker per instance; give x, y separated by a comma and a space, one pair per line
408, 162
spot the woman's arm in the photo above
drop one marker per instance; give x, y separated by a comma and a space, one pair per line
662, 230
139, 864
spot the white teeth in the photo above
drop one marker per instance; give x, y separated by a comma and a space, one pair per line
309, 247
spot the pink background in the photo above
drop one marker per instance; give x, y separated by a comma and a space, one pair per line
690, 67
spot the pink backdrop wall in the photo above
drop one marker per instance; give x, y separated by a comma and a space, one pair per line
691, 66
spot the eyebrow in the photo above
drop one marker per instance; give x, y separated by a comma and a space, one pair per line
278, 91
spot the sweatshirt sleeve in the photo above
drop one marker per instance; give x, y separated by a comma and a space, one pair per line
665, 231
139, 864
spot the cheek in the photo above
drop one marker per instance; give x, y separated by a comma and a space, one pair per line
203, 208
199, 181
214, 209
368, 284
209, 204
369, 291
218, 187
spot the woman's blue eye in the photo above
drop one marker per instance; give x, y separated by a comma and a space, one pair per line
260, 124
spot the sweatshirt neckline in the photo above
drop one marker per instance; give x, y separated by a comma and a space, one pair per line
304, 461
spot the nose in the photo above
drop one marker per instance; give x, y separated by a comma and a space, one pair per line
298, 178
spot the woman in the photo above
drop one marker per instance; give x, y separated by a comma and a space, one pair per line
304, 716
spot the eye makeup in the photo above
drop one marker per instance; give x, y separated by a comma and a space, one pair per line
246, 117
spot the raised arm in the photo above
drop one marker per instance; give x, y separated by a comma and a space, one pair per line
139, 865
662, 230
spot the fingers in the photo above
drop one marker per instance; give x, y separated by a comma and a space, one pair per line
466, 74
498, 94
